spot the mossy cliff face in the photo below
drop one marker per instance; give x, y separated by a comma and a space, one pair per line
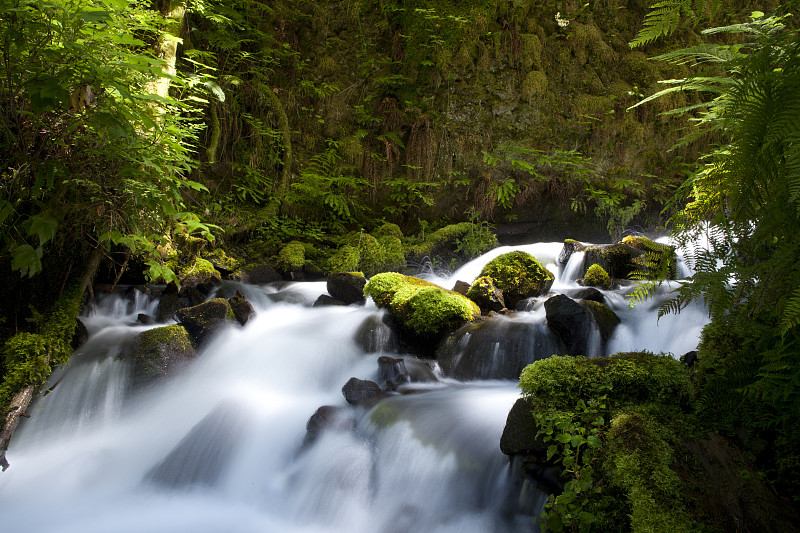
519, 275
424, 312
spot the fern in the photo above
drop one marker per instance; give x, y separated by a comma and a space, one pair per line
666, 16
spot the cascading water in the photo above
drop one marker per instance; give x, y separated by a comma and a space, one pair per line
222, 445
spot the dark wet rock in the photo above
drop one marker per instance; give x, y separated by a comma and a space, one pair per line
145, 319
488, 297
376, 335
496, 348
519, 433
392, 372
588, 293
324, 300
347, 286
328, 418
690, 358
208, 286
616, 259
571, 322
193, 295
362, 392
605, 319
461, 287
257, 275
420, 370
570, 247
159, 353
204, 454
202, 321
169, 304
81, 334
242, 309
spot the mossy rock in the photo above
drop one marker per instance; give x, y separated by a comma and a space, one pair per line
484, 293
347, 286
202, 321
606, 319
658, 260
424, 312
444, 243
224, 263
616, 259
519, 275
159, 353
345, 259
388, 230
199, 272
627, 379
596, 276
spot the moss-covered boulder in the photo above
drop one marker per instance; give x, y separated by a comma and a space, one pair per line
519, 275
596, 276
347, 286
345, 259
570, 247
159, 353
616, 259
488, 297
422, 311
658, 260
198, 272
224, 263
257, 274
242, 309
605, 319
202, 321
292, 258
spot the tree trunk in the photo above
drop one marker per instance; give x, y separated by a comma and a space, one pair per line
274, 105
167, 45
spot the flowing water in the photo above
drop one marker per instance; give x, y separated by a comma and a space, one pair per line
221, 447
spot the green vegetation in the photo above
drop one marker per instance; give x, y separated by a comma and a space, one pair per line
519, 275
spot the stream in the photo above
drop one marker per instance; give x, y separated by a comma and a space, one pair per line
221, 446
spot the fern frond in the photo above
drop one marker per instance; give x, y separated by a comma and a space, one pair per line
661, 21
791, 312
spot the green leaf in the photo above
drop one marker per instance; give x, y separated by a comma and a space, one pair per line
551, 451
42, 227
594, 442
27, 260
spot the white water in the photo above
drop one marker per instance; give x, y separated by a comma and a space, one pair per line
220, 446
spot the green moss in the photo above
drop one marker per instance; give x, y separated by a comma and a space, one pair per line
199, 271
388, 230
30, 357
219, 257
393, 256
153, 342
424, 308
292, 257
627, 379
519, 275
596, 276
444, 240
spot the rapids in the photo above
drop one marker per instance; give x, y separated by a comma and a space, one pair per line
220, 446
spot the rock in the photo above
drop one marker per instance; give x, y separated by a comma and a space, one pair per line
160, 352
375, 335
605, 319
200, 272
192, 295
461, 287
81, 334
362, 392
242, 309
690, 358
347, 286
519, 275
257, 275
519, 433
324, 300
488, 297
145, 319
616, 259
589, 293
208, 286
202, 321
571, 322
420, 371
392, 372
570, 247
328, 418
169, 304
423, 313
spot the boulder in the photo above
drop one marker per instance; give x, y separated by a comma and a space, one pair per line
362, 392
461, 287
519, 275
616, 259
422, 312
392, 372
570, 247
328, 418
519, 433
242, 309
420, 371
257, 274
375, 335
81, 334
571, 322
589, 293
202, 321
605, 319
347, 286
488, 297
324, 300
159, 352
145, 319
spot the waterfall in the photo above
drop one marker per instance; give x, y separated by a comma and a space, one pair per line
222, 446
